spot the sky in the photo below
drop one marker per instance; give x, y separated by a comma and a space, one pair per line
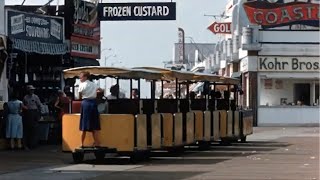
136, 43
150, 43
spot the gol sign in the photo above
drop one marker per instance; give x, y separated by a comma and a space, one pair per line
220, 28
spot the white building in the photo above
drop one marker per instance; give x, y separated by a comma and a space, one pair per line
279, 66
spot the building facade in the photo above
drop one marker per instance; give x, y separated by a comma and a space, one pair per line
277, 59
3, 57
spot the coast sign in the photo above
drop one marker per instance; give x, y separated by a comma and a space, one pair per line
282, 14
137, 11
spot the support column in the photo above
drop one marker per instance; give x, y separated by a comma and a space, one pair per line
253, 95
312, 93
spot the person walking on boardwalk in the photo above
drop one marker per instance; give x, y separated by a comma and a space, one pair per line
14, 129
30, 124
89, 119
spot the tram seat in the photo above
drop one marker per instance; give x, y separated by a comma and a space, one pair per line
76, 107
167, 106
198, 104
123, 106
222, 104
148, 106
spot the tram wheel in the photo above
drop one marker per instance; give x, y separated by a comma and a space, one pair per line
135, 158
77, 157
204, 146
244, 139
225, 142
99, 155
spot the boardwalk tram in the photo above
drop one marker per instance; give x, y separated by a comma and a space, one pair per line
135, 127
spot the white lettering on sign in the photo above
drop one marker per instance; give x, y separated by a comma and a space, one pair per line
138, 11
84, 48
117, 11
220, 28
37, 32
303, 64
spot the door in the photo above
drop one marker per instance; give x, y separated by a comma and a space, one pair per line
302, 93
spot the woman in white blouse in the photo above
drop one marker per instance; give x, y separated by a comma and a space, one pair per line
89, 120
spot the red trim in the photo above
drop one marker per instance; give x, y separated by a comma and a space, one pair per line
88, 42
88, 56
84, 40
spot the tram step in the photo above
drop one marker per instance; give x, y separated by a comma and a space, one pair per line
95, 149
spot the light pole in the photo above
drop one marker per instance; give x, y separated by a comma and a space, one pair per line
112, 65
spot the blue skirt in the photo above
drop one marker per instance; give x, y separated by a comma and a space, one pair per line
89, 119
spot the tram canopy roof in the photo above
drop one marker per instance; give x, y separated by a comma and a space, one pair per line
113, 72
170, 74
189, 76
148, 73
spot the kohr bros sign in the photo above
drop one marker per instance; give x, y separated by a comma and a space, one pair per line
137, 11
288, 64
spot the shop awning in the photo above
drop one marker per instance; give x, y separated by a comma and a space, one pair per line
80, 62
236, 75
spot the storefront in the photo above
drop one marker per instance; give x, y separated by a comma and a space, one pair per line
278, 57
37, 47
288, 90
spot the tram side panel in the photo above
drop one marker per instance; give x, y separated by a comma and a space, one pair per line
199, 135
223, 123
178, 129
190, 128
123, 132
207, 126
167, 123
156, 131
246, 122
216, 125
236, 124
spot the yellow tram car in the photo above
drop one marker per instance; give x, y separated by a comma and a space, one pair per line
135, 127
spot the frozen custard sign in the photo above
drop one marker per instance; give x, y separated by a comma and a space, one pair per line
137, 11
289, 64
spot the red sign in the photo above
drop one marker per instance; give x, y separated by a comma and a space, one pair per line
85, 39
275, 14
85, 48
220, 28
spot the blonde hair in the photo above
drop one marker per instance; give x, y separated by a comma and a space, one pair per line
86, 74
